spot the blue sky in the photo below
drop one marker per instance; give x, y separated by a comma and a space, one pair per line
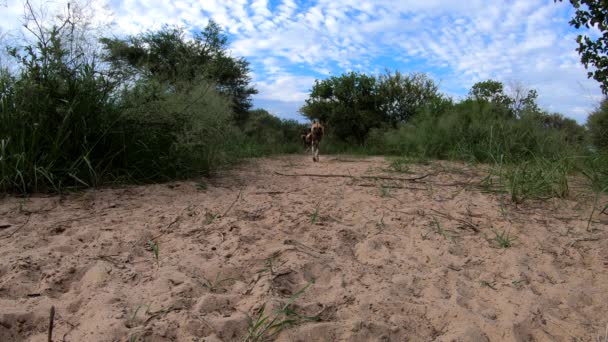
291, 43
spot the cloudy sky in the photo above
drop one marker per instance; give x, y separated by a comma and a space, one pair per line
291, 43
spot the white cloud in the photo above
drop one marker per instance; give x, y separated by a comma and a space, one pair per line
292, 42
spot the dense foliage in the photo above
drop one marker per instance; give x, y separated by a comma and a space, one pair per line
594, 51
152, 107
405, 114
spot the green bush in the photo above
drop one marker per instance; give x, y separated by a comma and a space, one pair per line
597, 123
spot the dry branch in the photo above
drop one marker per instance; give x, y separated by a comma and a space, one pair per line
469, 224
16, 230
363, 177
390, 186
51, 323
230, 207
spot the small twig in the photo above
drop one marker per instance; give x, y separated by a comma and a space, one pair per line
583, 240
469, 224
390, 186
402, 212
16, 230
364, 177
73, 219
275, 192
51, 323
231, 205
4, 226
162, 312
72, 327
109, 258
167, 228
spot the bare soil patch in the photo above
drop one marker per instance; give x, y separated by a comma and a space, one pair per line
386, 259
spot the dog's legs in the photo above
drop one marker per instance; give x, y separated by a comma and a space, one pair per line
315, 151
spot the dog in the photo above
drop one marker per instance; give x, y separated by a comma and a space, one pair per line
316, 134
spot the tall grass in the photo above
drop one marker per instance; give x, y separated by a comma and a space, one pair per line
529, 159
67, 121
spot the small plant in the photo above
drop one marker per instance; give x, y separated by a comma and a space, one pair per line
216, 285
490, 284
269, 265
161, 312
504, 239
154, 245
201, 186
210, 217
266, 326
503, 208
315, 215
519, 283
380, 225
596, 199
385, 191
439, 230
429, 188
400, 165
133, 338
425, 236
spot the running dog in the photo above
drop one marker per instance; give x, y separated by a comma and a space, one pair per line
316, 134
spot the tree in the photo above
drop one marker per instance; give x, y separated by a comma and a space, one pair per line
597, 123
402, 96
589, 14
491, 94
169, 57
573, 132
523, 100
348, 104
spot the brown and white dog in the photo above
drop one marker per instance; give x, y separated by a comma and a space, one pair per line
316, 134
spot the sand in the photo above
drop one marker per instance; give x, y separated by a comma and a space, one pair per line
417, 262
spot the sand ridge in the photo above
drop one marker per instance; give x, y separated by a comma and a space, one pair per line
390, 260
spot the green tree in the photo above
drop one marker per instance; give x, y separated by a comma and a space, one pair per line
590, 14
402, 96
348, 104
597, 123
573, 132
168, 57
491, 98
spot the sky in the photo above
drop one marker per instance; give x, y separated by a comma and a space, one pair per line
291, 43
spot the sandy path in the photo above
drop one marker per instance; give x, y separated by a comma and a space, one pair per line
388, 265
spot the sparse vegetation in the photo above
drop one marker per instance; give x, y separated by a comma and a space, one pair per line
380, 225
267, 325
490, 284
154, 245
215, 285
385, 190
314, 216
504, 239
400, 165
201, 185
439, 230
210, 217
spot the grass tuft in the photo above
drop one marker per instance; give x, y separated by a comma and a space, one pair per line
265, 325
504, 239
314, 216
154, 245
